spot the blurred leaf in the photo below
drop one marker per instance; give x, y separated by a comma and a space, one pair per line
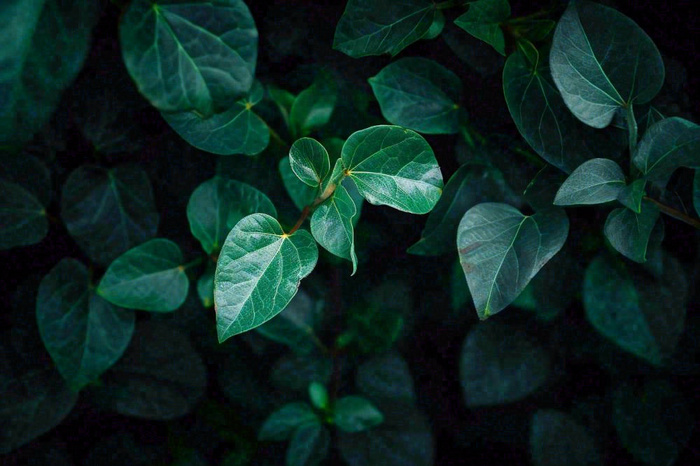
356, 414
309, 445
281, 424
205, 288
313, 107
296, 371
295, 325
22, 217
121, 449
28, 172
558, 440
318, 394
386, 377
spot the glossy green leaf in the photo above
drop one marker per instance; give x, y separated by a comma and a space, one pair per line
44, 45
302, 194
22, 217
218, 204
639, 313
179, 40
295, 326
556, 439
356, 414
149, 277
419, 94
281, 424
309, 161
667, 145
500, 364
386, 377
395, 167
374, 27
258, 273
309, 445
483, 20
313, 107
631, 195
594, 182
205, 288
108, 212
84, 334
628, 231
602, 62
332, 225
469, 186
501, 250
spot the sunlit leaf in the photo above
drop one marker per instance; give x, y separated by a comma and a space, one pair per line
332, 225
309, 161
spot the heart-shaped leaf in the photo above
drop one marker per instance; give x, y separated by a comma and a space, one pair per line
483, 20
309, 161
332, 225
22, 217
628, 231
594, 182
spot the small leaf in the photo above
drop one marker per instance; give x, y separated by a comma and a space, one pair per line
419, 94
603, 62
369, 27
309, 445
84, 334
205, 288
594, 182
332, 225
556, 439
501, 249
628, 231
318, 394
149, 277
483, 20
631, 196
295, 326
356, 414
313, 107
301, 194
281, 424
258, 273
395, 167
309, 161
22, 217
218, 204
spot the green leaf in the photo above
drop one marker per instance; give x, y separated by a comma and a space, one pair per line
332, 225
207, 51
499, 365
22, 217
84, 334
45, 43
639, 313
309, 161
437, 26
628, 231
302, 194
313, 107
150, 277
284, 101
295, 325
631, 196
470, 185
386, 378
238, 130
218, 204
542, 190
419, 94
501, 250
258, 273
205, 288
371, 27
281, 424
107, 212
483, 20
534, 30
356, 414
603, 62
374, 327
395, 167
309, 445
667, 145
594, 182
556, 439
28, 172
295, 372
318, 394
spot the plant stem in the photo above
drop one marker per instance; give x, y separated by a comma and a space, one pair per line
677, 214
310, 208
631, 129
277, 137
193, 263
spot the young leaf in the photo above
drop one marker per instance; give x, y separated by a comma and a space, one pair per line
556, 439
371, 27
395, 167
309, 445
281, 424
386, 377
149, 277
84, 334
667, 145
594, 182
22, 217
205, 288
258, 273
332, 225
218, 204
483, 20
470, 185
356, 414
631, 196
108, 212
295, 326
603, 62
499, 365
501, 249
419, 94
301, 194
318, 394
176, 40
313, 107
628, 231
309, 161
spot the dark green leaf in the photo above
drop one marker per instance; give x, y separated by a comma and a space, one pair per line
295, 372
628, 231
602, 62
313, 107
374, 327
558, 440
500, 365
309, 445
631, 196
501, 249
594, 182
419, 94
29, 172
355, 414
386, 377
22, 217
437, 26
371, 27
84, 334
281, 424
258, 273
108, 212
302, 194
284, 101
179, 40
534, 30
295, 326
395, 167
332, 225
218, 204
150, 277
542, 190
309, 161
205, 288
483, 20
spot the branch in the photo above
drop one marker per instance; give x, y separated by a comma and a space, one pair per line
677, 214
